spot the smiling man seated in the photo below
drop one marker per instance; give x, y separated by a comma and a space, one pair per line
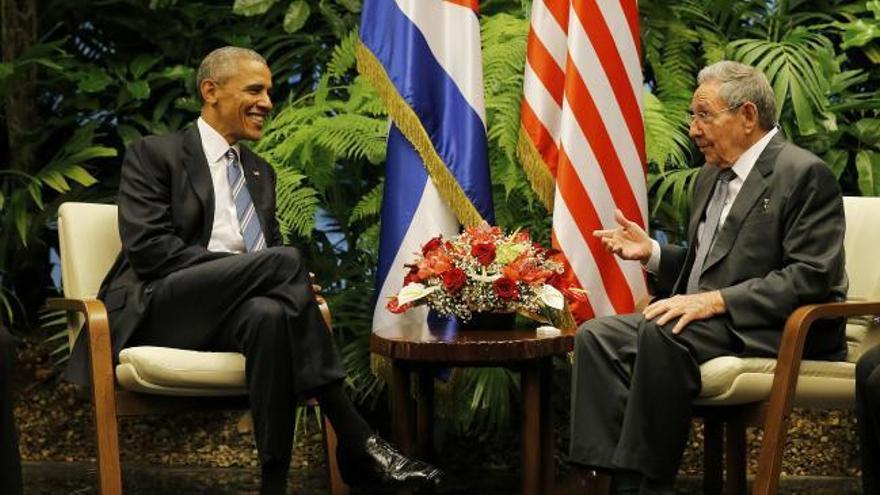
765, 236
203, 268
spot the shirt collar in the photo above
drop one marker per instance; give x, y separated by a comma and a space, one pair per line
213, 142
747, 160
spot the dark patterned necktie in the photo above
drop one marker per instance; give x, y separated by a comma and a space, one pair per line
710, 228
244, 206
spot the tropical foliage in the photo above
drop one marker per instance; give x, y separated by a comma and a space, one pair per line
102, 75
820, 57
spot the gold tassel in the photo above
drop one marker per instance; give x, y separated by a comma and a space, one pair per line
409, 124
543, 182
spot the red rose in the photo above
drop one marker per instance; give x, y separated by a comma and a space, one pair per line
506, 289
454, 279
484, 253
432, 245
394, 306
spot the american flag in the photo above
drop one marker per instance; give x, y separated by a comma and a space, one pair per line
583, 138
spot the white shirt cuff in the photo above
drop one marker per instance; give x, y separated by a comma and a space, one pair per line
653, 263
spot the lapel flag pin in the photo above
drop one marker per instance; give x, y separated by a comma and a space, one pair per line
765, 204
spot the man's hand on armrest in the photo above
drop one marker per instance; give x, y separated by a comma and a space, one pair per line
687, 308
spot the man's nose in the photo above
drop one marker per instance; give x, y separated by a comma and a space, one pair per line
266, 101
694, 129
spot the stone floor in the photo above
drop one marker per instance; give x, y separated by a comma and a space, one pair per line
79, 479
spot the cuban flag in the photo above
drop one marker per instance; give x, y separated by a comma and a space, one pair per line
423, 57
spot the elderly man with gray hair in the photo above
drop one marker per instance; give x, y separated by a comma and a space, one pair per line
765, 235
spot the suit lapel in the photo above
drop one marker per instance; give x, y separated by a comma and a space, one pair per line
752, 190
197, 168
258, 187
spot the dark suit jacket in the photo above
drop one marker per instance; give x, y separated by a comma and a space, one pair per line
781, 246
166, 213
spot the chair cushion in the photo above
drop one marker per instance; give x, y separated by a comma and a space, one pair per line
169, 371
730, 380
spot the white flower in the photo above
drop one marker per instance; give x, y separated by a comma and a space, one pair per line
484, 277
413, 292
551, 297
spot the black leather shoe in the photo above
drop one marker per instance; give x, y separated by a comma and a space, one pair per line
378, 462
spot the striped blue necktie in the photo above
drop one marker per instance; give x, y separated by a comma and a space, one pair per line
244, 207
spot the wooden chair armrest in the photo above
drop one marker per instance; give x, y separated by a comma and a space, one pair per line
794, 335
785, 379
325, 312
97, 333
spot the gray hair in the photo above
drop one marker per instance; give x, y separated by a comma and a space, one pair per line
740, 84
221, 63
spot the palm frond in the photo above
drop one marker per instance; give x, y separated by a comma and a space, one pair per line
296, 203
369, 206
352, 136
667, 143
344, 56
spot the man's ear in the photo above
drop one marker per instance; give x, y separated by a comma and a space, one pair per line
208, 89
750, 112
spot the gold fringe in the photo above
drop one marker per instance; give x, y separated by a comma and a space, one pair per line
409, 124
543, 182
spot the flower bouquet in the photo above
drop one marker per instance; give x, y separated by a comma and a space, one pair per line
483, 270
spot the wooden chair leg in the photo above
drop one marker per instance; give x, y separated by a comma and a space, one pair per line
770, 459
735, 458
104, 406
335, 484
713, 459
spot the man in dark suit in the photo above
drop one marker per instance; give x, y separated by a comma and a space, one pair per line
10, 462
202, 267
868, 414
765, 236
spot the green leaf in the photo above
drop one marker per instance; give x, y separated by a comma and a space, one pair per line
175, 73
353, 6
837, 160
141, 64
93, 80
249, 8
858, 33
865, 169
90, 153
21, 224
80, 175
188, 104
140, 90
6, 70
127, 133
296, 16
867, 131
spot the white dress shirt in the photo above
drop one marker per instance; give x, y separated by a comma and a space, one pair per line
226, 231
741, 169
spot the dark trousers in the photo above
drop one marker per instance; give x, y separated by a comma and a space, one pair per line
868, 415
262, 305
10, 462
633, 383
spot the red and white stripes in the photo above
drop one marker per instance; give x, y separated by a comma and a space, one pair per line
582, 114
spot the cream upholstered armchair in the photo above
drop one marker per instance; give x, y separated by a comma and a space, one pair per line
738, 392
147, 380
